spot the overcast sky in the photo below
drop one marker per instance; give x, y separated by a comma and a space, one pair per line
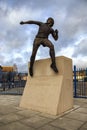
16, 40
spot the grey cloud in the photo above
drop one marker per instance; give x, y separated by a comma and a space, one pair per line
81, 48
74, 23
32, 3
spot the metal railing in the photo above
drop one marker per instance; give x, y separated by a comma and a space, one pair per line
15, 88
80, 82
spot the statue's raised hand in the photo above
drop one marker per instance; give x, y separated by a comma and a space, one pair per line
56, 31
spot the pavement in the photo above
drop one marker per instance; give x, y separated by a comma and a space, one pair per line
12, 117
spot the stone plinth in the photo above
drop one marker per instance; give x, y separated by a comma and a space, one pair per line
47, 91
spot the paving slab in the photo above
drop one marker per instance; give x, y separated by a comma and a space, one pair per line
16, 126
81, 110
10, 118
9, 100
1, 123
77, 116
49, 127
84, 127
27, 113
6, 109
67, 124
36, 121
84, 105
80, 101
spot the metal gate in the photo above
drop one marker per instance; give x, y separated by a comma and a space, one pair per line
80, 82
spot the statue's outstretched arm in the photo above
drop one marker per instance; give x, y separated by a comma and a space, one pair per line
30, 22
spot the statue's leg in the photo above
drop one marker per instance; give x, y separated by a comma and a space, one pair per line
52, 55
53, 65
32, 59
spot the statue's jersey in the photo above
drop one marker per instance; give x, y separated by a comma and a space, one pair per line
44, 31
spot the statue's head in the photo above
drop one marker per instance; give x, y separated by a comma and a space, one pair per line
50, 21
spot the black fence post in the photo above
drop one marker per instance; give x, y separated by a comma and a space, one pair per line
75, 81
